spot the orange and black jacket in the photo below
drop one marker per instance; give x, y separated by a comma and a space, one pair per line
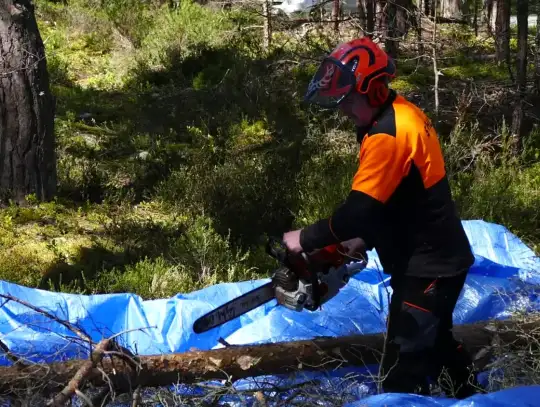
400, 202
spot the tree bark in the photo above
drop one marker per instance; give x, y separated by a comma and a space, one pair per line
475, 17
391, 41
418, 29
517, 117
361, 10
381, 10
502, 31
427, 4
451, 9
537, 42
78, 379
523, 31
370, 17
27, 155
246, 361
335, 15
267, 25
490, 7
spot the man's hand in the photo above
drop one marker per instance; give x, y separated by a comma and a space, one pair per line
292, 241
355, 248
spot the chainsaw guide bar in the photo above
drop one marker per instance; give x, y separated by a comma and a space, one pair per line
234, 308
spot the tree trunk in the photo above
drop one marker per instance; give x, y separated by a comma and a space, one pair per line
418, 29
381, 10
435, 68
335, 15
361, 10
523, 30
267, 25
537, 70
245, 361
391, 37
427, 5
451, 9
490, 8
27, 155
502, 32
475, 17
400, 17
370, 17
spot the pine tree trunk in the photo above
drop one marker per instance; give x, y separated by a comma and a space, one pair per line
502, 31
391, 43
475, 17
370, 17
336, 12
490, 7
537, 70
427, 4
523, 30
360, 7
243, 361
451, 9
267, 25
381, 18
27, 155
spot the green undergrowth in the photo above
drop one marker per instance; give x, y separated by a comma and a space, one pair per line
182, 145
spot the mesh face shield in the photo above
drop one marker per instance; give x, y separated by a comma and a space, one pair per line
332, 83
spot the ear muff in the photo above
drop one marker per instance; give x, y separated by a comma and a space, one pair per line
378, 93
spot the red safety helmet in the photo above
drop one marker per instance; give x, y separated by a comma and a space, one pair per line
355, 65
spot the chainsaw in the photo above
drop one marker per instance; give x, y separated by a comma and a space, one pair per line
302, 281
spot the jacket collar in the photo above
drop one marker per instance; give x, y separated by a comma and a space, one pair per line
361, 131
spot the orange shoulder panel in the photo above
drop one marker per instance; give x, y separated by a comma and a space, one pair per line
381, 167
416, 130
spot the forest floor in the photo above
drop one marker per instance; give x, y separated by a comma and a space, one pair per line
182, 144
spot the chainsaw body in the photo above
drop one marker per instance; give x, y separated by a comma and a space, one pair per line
308, 281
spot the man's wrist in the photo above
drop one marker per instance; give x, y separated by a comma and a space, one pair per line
316, 236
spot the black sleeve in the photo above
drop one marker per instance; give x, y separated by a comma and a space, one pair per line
358, 216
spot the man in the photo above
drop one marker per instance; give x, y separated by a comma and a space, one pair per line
400, 204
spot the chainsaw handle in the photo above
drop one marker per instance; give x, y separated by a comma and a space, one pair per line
272, 246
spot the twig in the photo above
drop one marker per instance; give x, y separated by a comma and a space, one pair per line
261, 400
79, 332
100, 399
16, 360
84, 397
74, 384
136, 397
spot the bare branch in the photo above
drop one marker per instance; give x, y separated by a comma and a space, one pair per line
79, 332
80, 377
16, 360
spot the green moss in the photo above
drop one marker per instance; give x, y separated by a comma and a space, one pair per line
477, 70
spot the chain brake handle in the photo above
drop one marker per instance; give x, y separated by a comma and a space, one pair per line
277, 249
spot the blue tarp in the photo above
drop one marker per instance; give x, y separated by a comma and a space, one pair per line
504, 279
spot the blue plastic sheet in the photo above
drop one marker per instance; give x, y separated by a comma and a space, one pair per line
505, 278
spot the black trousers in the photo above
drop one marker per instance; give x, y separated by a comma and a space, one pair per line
419, 344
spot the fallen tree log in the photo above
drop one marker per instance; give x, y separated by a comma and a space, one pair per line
235, 362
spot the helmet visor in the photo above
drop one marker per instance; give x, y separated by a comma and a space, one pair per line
332, 82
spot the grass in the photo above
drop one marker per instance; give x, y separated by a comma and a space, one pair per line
182, 144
